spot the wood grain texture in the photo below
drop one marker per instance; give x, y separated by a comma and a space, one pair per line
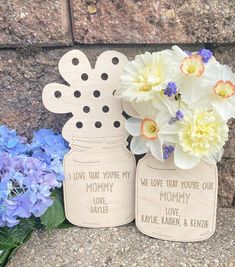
99, 170
174, 204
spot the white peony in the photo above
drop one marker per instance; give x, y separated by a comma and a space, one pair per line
201, 136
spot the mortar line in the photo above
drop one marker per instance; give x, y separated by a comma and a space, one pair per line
46, 47
70, 13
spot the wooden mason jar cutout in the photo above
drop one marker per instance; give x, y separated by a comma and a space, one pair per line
175, 204
99, 170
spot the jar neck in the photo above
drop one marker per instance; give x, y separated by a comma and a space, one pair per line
89, 144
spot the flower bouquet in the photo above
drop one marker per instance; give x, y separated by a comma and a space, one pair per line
179, 104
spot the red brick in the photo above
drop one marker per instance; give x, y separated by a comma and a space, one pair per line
150, 21
44, 22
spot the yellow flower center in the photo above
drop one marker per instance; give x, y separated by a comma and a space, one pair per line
149, 129
146, 88
192, 65
148, 78
224, 89
202, 133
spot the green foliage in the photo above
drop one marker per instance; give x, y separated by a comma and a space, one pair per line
12, 238
4, 256
54, 216
17, 235
64, 225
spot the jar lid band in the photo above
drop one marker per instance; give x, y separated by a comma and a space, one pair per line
94, 143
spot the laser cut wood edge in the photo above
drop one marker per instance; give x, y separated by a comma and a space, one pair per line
67, 69
72, 74
173, 239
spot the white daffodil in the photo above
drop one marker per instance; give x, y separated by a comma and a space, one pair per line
194, 72
161, 102
146, 76
150, 129
201, 136
220, 94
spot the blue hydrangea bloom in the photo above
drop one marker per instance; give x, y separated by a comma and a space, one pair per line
29, 173
53, 144
26, 185
12, 143
6, 216
50, 148
5, 189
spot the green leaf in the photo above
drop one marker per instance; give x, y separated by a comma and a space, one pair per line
21, 232
6, 242
54, 215
65, 225
12, 238
17, 235
4, 256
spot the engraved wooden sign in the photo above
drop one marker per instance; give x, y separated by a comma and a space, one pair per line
174, 204
99, 170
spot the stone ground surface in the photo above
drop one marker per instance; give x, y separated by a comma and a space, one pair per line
25, 71
126, 246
